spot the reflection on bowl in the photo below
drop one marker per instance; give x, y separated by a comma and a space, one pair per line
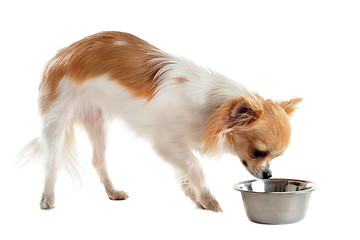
275, 201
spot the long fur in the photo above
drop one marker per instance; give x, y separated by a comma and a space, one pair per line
35, 152
177, 105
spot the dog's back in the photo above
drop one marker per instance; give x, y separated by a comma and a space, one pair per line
164, 98
127, 77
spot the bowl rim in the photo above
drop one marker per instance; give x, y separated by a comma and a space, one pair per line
312, 188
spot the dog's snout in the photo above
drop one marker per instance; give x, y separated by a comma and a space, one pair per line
266, 174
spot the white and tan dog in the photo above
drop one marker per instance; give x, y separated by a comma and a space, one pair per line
177, 105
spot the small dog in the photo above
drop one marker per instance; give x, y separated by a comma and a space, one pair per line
177, 105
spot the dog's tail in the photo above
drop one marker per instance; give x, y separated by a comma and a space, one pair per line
35, 152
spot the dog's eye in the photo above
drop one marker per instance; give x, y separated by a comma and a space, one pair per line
259, 154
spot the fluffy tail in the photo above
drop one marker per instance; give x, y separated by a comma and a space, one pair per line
32, 152
35, 152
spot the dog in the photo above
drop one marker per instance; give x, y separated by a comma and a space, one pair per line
178, 106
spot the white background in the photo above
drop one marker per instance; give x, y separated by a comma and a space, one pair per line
280, 49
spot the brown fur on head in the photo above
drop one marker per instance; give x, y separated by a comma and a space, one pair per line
254, 129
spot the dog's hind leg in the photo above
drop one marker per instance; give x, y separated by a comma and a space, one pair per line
53, 136
94, 123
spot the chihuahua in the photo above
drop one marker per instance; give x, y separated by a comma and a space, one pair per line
177, 105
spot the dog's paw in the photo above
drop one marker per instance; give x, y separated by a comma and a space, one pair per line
47, 202
208, 202
117, 195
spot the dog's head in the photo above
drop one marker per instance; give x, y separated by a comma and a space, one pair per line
254, 129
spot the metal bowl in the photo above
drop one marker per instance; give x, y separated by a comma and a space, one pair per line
275, 201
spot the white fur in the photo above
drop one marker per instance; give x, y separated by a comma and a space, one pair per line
185, 105
173, 121
120, 43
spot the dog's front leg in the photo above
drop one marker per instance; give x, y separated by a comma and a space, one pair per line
191, 174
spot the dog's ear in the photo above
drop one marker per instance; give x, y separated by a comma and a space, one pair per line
240, 112
290, 106
244, 111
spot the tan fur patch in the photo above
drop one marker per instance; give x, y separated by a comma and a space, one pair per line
271, 133
242, 111
290, 106
232, 122
179, 79
128, 63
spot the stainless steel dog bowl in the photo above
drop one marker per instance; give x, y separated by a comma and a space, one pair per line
275, 201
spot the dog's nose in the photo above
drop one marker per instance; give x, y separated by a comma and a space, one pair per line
266, 174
